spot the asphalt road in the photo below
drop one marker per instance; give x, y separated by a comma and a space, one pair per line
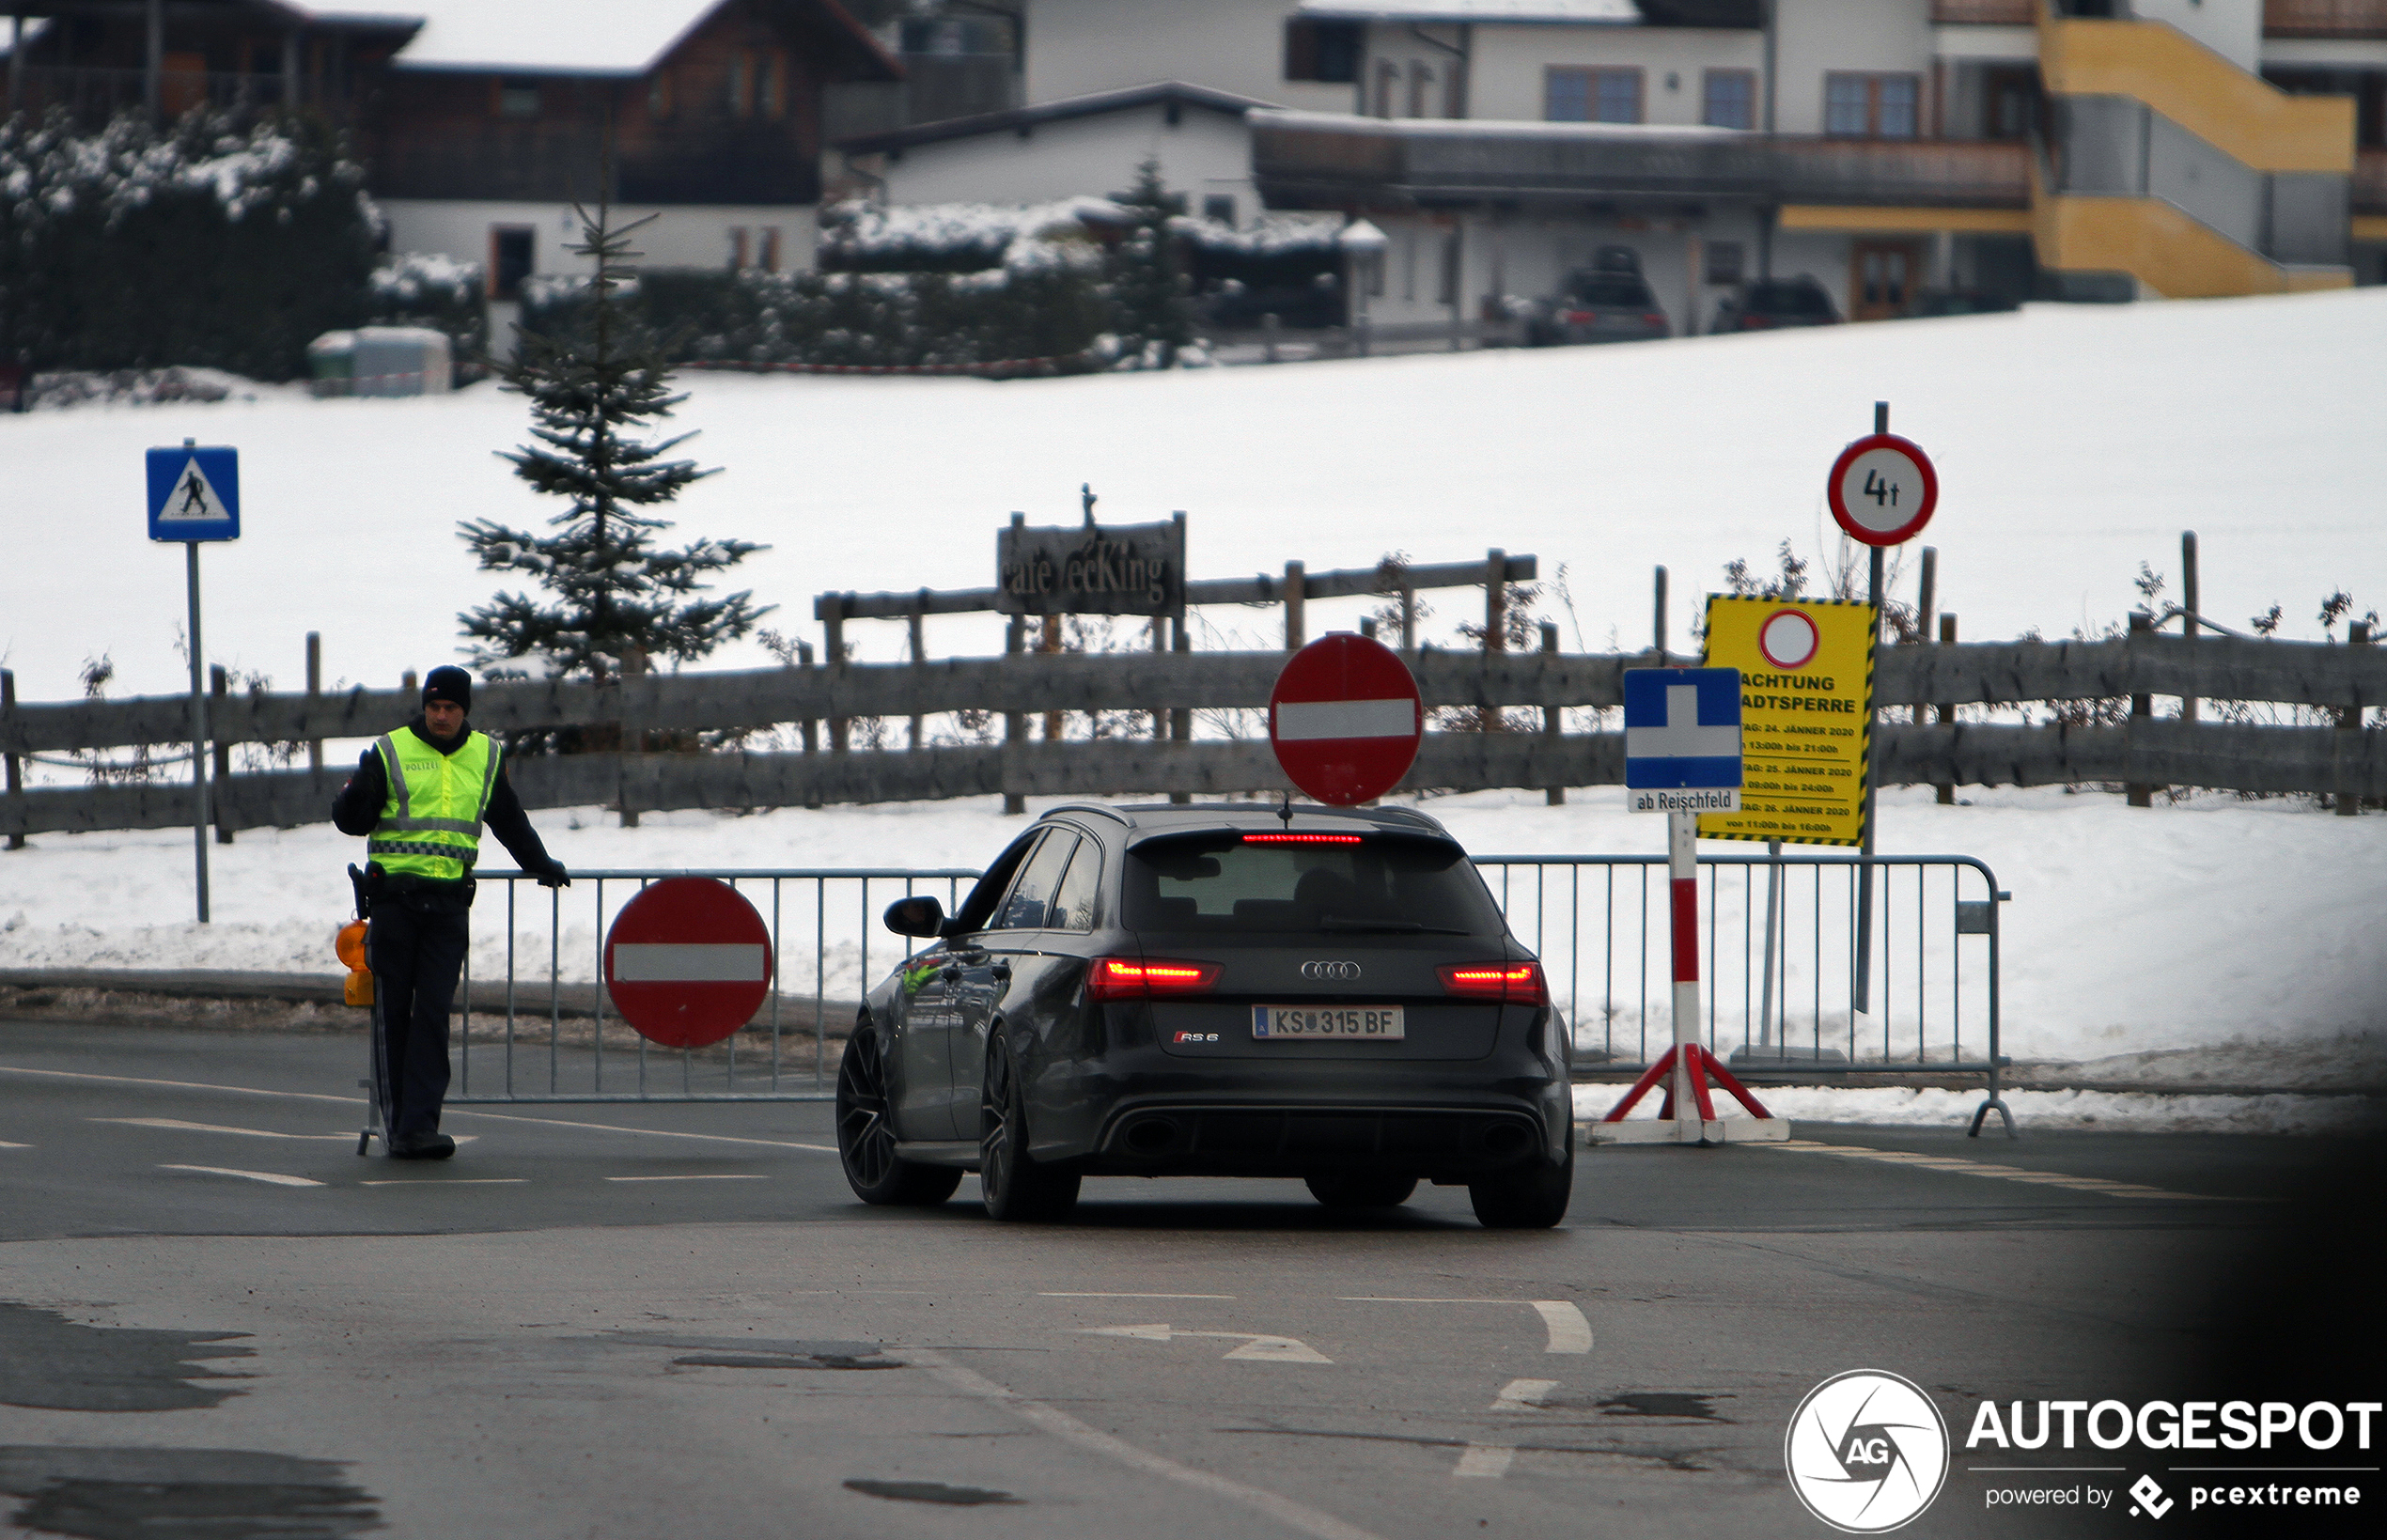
649, 1320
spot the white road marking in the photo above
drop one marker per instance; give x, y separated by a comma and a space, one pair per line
452, 1111
1485, 1461
273, 1177
253, 1133
1074, 1294
1523, 1394
6, 1146
706, 1176
1256, 1345
1298, 1517
448, 1181
1569, 1331
1984, 1168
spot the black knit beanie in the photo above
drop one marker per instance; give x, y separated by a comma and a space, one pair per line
448, 683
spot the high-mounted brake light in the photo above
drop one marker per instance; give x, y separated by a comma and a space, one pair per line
1138, 978
1302, 839
1515, 983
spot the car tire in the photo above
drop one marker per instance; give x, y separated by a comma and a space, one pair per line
1532, 1198
1015, 1185
867, 1135
1360, 1188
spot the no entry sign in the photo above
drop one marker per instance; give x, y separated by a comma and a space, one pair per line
1345, 720
687, 961
1882, 489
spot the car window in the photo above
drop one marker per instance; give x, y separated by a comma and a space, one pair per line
1074, 901
987, 892
1218, 881
1607, 292
1025, 907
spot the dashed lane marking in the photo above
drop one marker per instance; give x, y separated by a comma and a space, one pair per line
273, 1177
1570, 1333
1259, 1345
178, 1123
1523, 1394
1298, 1517
6, 1146
698, 1176
1984, 1168
1490, 1460
448, 1181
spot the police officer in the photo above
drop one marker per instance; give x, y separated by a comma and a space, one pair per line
421, 795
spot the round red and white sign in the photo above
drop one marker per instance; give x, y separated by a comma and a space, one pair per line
1345, 720
1789, 638
687, 961
1882, 489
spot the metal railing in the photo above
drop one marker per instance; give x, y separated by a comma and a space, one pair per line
561, 1041
1778, 960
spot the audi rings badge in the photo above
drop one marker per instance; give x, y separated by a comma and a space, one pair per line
1330, 973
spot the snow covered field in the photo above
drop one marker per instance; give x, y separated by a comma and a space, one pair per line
2073, 443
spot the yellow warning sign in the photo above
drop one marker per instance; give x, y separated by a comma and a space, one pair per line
1807, 697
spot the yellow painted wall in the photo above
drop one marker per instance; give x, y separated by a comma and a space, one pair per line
1817, 216
2198, 89
2171, 254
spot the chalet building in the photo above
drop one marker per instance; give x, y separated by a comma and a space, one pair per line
2093, 150
482, 121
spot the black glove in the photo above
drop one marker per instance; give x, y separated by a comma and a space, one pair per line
555, 876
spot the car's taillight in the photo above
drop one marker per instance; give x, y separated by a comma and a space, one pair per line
1137, 978
1516, 983
1580, 317
1654, 318
1301, 839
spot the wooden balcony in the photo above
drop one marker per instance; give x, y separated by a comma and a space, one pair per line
1986, 12
92, 94
2325, 18
1348, 163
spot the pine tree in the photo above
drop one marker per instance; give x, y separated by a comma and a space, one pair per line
613, 599
1149, 311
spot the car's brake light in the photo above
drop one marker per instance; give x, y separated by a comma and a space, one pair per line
1654, 318
1137, 978
1302, 839
1580, 317
1516, 983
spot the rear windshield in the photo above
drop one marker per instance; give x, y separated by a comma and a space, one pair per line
1382, 884
1603, 291
1788, 299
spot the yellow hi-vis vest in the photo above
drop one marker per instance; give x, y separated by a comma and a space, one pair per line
430, 826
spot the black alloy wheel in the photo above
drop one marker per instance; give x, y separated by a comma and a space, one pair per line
1360, 1188
1014, 1186
867, 1137
1530, 1197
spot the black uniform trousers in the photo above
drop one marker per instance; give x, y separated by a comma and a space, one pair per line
416, 949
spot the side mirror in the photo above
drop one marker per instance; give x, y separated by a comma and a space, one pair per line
918, 916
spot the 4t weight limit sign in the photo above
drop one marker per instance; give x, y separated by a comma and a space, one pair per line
1882, 489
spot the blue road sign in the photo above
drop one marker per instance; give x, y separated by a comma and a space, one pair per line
194, 493
1683, 728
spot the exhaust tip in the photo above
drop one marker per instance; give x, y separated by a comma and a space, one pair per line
1150, 1136
1506, 1139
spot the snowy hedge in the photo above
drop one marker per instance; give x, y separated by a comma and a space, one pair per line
851, 317
195, 244
415, 289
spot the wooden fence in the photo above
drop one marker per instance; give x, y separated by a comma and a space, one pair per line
2344, 761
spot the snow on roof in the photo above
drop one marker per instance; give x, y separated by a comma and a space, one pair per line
1612, 11
577, 37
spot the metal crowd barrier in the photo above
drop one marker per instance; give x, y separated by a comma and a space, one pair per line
1778, 970
519, 1052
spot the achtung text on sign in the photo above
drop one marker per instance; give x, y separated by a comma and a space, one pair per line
1807, 695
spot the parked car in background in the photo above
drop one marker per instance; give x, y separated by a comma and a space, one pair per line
1770, 303
1960, 301
1221, 990
1607, 301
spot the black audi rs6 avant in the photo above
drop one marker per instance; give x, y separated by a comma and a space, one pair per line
1225, 990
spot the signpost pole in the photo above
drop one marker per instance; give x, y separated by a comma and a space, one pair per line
198, 731
1861, 999
1682, 873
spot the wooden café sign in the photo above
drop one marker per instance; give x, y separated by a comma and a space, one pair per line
1091, 569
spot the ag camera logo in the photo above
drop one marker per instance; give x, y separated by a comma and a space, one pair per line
1866, 1450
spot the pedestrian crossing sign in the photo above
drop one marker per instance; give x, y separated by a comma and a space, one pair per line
194, 493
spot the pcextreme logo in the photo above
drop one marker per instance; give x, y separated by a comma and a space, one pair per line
1866, 1450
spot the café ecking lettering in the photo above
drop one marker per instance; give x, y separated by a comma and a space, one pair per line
1091, 570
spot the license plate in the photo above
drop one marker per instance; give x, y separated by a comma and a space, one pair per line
1366, 1023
